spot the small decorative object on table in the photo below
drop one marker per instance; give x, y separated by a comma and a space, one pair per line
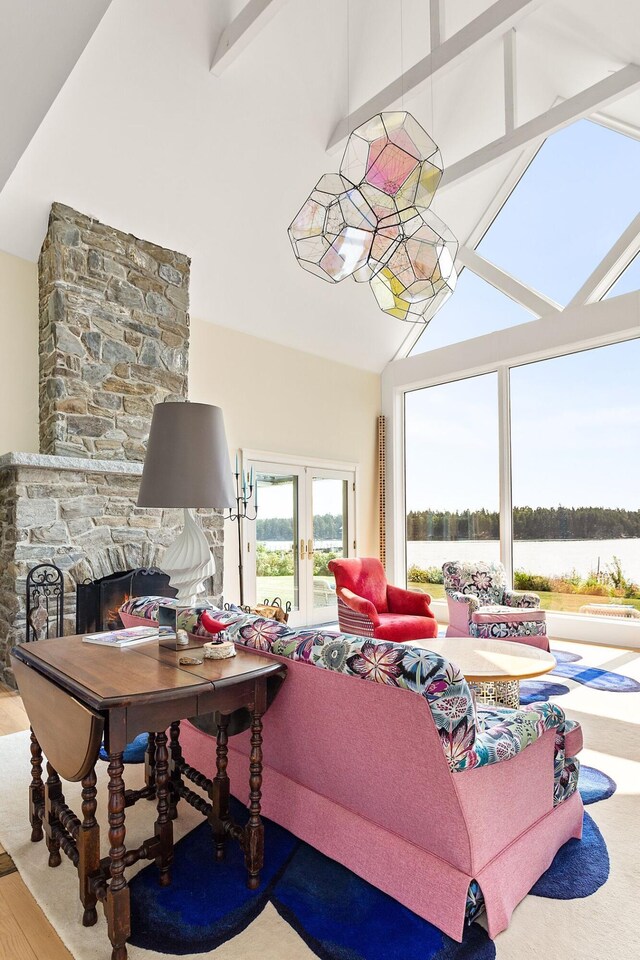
182, 638
219, 651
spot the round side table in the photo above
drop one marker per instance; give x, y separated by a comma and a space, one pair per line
493, 668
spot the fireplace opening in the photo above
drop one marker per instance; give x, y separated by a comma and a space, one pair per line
98, 601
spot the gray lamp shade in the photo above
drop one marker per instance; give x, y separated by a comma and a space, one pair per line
187, 461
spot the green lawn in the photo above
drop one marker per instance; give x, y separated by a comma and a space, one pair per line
267, 588
559, 602
270, 587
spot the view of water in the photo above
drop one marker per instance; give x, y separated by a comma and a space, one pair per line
548, 557
335, 545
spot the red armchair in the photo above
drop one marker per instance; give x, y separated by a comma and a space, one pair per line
370, 607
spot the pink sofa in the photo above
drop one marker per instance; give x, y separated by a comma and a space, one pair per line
403, 780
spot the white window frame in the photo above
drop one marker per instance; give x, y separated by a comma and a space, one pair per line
578, 328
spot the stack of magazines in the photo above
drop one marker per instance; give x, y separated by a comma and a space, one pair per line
123, 638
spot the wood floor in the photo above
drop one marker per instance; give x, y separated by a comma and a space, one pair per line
25, 932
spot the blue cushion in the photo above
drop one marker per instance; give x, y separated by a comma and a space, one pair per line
133, 752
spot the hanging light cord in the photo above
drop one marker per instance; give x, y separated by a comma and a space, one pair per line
348, 73
401, 57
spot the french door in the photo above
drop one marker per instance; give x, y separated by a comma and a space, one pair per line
306, 516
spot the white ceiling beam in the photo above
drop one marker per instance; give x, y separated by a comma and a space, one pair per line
621, 82
611, 266
489, 25
614, 123
435, 24
253, 17
510, 82
528, 298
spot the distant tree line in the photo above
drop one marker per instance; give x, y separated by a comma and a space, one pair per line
325, 527
529, 523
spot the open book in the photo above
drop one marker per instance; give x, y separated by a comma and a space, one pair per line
123, 638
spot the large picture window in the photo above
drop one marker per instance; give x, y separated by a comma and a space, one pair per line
575, 428
452, 485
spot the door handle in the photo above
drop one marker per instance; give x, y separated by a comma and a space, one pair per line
310, 549
302, 549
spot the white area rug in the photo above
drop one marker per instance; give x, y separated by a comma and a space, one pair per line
603, 926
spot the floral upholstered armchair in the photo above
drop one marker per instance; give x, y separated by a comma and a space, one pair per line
480, 605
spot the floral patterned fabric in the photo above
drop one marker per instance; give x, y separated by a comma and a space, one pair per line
482, 585
469, 738
485, 581
188, 619
475, 902
506, 629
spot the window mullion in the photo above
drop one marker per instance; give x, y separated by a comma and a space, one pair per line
504, 448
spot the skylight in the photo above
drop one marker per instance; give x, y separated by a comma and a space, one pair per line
475, 308
571, 205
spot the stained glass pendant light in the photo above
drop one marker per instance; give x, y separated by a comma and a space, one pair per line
372, 221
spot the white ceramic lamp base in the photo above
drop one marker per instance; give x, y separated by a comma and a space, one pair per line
189, 561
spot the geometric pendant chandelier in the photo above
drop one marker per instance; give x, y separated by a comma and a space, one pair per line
372, 220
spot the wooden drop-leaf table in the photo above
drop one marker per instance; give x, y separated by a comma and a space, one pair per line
76, 694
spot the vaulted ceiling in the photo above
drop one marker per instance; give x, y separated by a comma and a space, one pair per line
113, 109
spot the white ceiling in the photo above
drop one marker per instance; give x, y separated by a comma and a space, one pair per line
145, 138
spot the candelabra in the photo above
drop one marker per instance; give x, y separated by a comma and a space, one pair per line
243, 496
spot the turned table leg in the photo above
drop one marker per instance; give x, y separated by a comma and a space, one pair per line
174, 767
150, 765
220, 788
36, 789
254, 831
52, 795
88, 849
163, 825
117, 907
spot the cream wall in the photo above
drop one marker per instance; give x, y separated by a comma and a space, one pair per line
18, 355
274, 398
285, 401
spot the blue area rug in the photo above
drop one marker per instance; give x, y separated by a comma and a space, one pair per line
596, 679
579, 868
594, 785
338, 915
591, 676
562, 656
533, 691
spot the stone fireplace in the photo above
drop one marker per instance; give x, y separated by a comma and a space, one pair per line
114, 340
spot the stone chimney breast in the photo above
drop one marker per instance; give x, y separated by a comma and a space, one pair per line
114, 337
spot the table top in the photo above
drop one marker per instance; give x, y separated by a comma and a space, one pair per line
104, 677
491, 660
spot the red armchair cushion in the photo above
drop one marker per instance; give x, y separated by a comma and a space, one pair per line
408, 601
365, 577
401, 628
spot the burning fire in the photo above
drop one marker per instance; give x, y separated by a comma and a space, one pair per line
113, 616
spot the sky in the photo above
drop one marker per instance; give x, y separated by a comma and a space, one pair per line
575, 419
277, 500
577, 196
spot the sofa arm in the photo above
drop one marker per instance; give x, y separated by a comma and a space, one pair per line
362, 606
409, 602
469, 599
513, 598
